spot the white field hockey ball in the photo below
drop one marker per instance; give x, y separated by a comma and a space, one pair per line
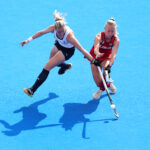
112, 106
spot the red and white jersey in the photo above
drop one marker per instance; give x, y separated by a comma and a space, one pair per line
104, 47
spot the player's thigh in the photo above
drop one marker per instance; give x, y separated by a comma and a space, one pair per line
57, 59
95, 73
53, 51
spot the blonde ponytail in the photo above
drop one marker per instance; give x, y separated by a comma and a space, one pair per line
112, 22
59, 20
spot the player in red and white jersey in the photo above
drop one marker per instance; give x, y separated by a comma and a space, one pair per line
105, 48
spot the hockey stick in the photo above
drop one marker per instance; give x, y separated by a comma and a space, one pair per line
112, 104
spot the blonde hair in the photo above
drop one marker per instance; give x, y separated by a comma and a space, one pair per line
112, 22
59, 20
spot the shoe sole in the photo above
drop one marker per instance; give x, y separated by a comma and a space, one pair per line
25, 91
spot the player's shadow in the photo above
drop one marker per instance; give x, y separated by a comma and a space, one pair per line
30, 117
74, 113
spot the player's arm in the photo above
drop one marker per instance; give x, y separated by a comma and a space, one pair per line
72, 39
97, 44
38, 34
45, 31
114, 50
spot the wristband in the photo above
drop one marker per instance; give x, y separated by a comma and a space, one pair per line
93, 60
30, 39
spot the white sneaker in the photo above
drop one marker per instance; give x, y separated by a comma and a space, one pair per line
97, 94
112, 88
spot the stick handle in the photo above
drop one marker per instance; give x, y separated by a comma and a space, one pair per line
101, 75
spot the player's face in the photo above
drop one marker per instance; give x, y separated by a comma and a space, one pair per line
61, 32
109, 31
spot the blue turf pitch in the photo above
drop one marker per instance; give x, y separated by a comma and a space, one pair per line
62, 114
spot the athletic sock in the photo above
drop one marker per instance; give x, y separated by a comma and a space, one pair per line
41, 78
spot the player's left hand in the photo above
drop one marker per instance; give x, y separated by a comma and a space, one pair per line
96, 62
99, 55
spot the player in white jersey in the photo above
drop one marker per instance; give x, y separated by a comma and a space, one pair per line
62, 50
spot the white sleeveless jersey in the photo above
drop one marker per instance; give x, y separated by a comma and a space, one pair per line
64, 41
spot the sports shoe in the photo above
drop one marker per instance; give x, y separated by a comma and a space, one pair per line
63, 69
28, 91
112, 88
97, 94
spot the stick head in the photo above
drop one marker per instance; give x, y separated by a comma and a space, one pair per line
117, 115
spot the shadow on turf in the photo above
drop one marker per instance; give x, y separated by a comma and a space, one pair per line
74, 114
30, 117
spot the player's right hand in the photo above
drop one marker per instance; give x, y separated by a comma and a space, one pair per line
99, 55
24, 42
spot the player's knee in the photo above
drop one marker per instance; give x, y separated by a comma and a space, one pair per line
47, 66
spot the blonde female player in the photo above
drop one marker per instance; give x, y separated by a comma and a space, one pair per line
62, 50
105, 48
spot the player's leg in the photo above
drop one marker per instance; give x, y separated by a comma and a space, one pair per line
68, 53
98, 82
53, 52
109, 81
63, 66
97, 78
55, 60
